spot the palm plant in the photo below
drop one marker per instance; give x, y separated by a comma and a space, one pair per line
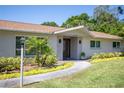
39, 46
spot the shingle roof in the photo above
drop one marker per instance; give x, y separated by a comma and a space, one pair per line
20, 26
37, 28
103, 35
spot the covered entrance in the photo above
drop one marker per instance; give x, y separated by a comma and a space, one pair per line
71, 48
70, 43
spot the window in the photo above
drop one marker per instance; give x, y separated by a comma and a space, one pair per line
98, 44
92, 43
116, 44
18, 45
95, 44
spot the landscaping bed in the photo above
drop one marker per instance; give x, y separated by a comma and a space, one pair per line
32, 70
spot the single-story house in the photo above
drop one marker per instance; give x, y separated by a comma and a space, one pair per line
67, 43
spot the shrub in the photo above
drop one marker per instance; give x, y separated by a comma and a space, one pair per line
29, 61
107, 55
43, 59
106, 59
8, 64
13, 63
48, 60
82, 54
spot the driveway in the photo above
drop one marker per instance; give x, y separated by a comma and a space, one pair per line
14, 82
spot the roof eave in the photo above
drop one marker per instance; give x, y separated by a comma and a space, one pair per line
107, 38
28, 31
68, 29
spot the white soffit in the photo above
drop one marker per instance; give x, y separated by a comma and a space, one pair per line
68, 29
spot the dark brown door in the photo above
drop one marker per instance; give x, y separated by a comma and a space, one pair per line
66, 48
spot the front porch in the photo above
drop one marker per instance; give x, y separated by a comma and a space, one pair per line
70, 43
71, 48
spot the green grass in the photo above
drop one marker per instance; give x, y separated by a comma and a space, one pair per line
99, 75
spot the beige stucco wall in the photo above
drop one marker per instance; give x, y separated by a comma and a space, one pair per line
79, 47
74, 48
60, 48
8, 42
53, 43
106, 46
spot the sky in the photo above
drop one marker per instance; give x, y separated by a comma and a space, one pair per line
42, 13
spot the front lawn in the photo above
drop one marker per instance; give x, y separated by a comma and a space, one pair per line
102, 74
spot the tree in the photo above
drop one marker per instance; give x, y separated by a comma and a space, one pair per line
115, 11
39, 46
77, 20
54, 24
107, 19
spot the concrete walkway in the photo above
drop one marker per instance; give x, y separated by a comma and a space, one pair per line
14, 82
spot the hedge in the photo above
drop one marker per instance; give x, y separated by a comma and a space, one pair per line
106, 59
13, 63
107, 55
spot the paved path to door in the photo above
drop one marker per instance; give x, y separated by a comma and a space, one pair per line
78, 65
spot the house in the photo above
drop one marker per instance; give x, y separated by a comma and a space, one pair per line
66, 43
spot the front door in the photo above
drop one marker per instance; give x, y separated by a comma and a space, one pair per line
66, 48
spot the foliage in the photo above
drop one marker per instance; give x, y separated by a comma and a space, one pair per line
82, 54
52, 23
30, 61
39, 46
50, 60
105, 19
107, 55
9, 64
13, 63
106, 59
77, 20
37, 71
